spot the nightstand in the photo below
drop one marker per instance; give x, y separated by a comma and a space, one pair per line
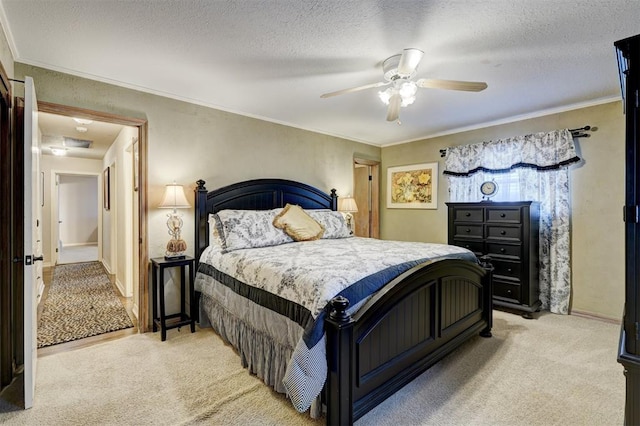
166, 322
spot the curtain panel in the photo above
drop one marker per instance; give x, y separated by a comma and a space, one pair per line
539, 151
540, 162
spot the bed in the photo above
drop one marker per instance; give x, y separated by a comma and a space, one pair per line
372, 347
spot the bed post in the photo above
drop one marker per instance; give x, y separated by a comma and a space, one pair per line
334, 200
200, 240
339, 386
487, 289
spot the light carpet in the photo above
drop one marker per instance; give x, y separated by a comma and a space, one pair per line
80, 302
553, 370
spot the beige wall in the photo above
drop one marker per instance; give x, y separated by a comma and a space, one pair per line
597, 194
5, 54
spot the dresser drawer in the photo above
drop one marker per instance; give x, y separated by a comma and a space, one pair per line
505, 268
507, 250
511, 233
468, 214
505, 290
468, 231
476, 247
505, 214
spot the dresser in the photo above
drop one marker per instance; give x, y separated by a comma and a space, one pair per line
508, 233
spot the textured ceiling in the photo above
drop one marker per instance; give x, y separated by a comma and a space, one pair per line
272, 59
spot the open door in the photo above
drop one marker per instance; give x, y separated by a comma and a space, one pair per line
33, 282
366, 191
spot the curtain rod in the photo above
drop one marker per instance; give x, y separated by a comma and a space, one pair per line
576, 133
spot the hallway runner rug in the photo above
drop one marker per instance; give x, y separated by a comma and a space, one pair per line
81, 302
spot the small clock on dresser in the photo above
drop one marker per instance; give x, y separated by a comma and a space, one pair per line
488, 189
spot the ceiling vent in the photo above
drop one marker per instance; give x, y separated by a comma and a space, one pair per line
77, 143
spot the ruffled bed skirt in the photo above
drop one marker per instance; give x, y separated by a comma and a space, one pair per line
259, 352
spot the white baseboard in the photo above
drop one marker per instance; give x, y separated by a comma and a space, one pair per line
134, 311
79, 244
591, 315
120, 287
106, 267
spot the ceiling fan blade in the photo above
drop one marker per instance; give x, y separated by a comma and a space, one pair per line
355, 89
409, 61
393, 112
468, 86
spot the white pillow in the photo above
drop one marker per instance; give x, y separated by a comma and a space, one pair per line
240, 229
333, 223
214, 236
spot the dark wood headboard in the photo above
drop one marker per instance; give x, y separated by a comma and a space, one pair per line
257, 194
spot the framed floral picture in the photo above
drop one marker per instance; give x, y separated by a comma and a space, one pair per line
413, 187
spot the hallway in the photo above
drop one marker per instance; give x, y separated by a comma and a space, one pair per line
127, 302
77, 254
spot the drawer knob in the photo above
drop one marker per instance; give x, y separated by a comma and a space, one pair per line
503, 232
467, 230
467, 246
508, 291
509, 270
468, 214
502, 250
502, 215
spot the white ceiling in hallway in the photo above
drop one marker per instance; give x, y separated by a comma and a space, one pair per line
272, 59
58, 129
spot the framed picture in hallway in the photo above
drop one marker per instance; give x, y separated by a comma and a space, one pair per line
106, 189
413, 187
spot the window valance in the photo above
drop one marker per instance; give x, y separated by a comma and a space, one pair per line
541, 151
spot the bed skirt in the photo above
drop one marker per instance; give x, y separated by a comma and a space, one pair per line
261, 354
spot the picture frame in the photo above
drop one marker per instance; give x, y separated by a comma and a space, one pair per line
413, 186
135, 158
106, 189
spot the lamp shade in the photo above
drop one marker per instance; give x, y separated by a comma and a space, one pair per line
347, 204
174, 198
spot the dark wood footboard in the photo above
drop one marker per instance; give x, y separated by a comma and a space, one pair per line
408, 326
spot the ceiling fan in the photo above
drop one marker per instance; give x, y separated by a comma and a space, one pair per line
398, 71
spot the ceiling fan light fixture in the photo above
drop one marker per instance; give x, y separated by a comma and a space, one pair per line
82, 121
406, 89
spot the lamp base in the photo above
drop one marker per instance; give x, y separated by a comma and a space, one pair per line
175, 257
175, 249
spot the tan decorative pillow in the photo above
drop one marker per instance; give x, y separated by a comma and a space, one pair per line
298, 224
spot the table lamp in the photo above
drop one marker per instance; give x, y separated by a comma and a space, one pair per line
347, 205
174, 198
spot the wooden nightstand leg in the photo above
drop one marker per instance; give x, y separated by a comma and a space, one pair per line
154, 300
192, 317
163, 324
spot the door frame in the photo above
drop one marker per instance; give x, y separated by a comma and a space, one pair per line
9, 339
143, 254
55, 210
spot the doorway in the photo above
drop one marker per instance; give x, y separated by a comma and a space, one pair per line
366, 192
75, 218
116, 208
